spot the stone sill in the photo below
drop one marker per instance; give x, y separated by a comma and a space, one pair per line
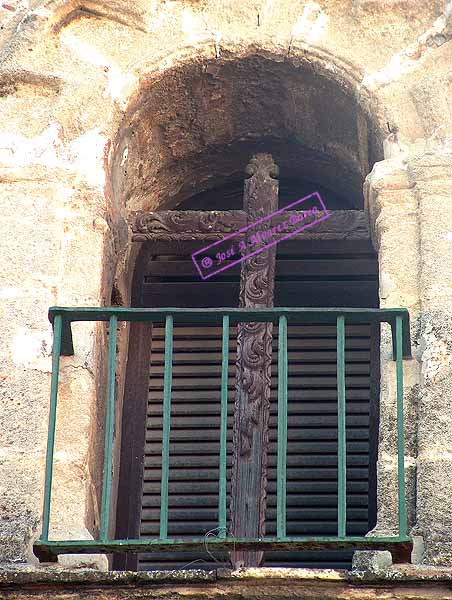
26, 576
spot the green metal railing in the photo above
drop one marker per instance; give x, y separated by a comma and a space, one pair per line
62, 318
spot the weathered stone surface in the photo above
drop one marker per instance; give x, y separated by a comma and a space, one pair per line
313, 584
46, 232
393, 214
432, 174
111, 106
371, 562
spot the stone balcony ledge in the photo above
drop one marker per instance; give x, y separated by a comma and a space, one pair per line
401, 582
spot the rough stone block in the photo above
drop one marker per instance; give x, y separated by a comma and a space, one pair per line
372, 561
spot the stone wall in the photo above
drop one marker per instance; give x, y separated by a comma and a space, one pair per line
274, 584
109, 106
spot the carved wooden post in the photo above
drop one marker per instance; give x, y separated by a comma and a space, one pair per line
254, 354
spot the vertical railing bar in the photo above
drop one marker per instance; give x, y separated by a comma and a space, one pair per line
57, 327
223, 429
341, 430
109, 430
167, 381
282, 429
400, 431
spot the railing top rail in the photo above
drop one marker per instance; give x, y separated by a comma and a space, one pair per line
215, 315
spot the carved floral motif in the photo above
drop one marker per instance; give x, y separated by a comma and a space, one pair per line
179, 225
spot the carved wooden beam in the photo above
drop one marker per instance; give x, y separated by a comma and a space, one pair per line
183, 225
340, 225
254, 357
209, 226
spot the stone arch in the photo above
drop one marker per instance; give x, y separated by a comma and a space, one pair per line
193, 126
230, 104
157, 161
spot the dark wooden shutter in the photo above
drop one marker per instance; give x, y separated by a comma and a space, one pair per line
315, 274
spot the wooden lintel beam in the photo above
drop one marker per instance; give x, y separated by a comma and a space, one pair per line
210, 226
182, 225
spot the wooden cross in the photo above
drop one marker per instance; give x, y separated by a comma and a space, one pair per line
254, 340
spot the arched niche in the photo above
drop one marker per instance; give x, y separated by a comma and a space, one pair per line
195, 127
191, 132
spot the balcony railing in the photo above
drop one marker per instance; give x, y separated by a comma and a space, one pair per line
398, 319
